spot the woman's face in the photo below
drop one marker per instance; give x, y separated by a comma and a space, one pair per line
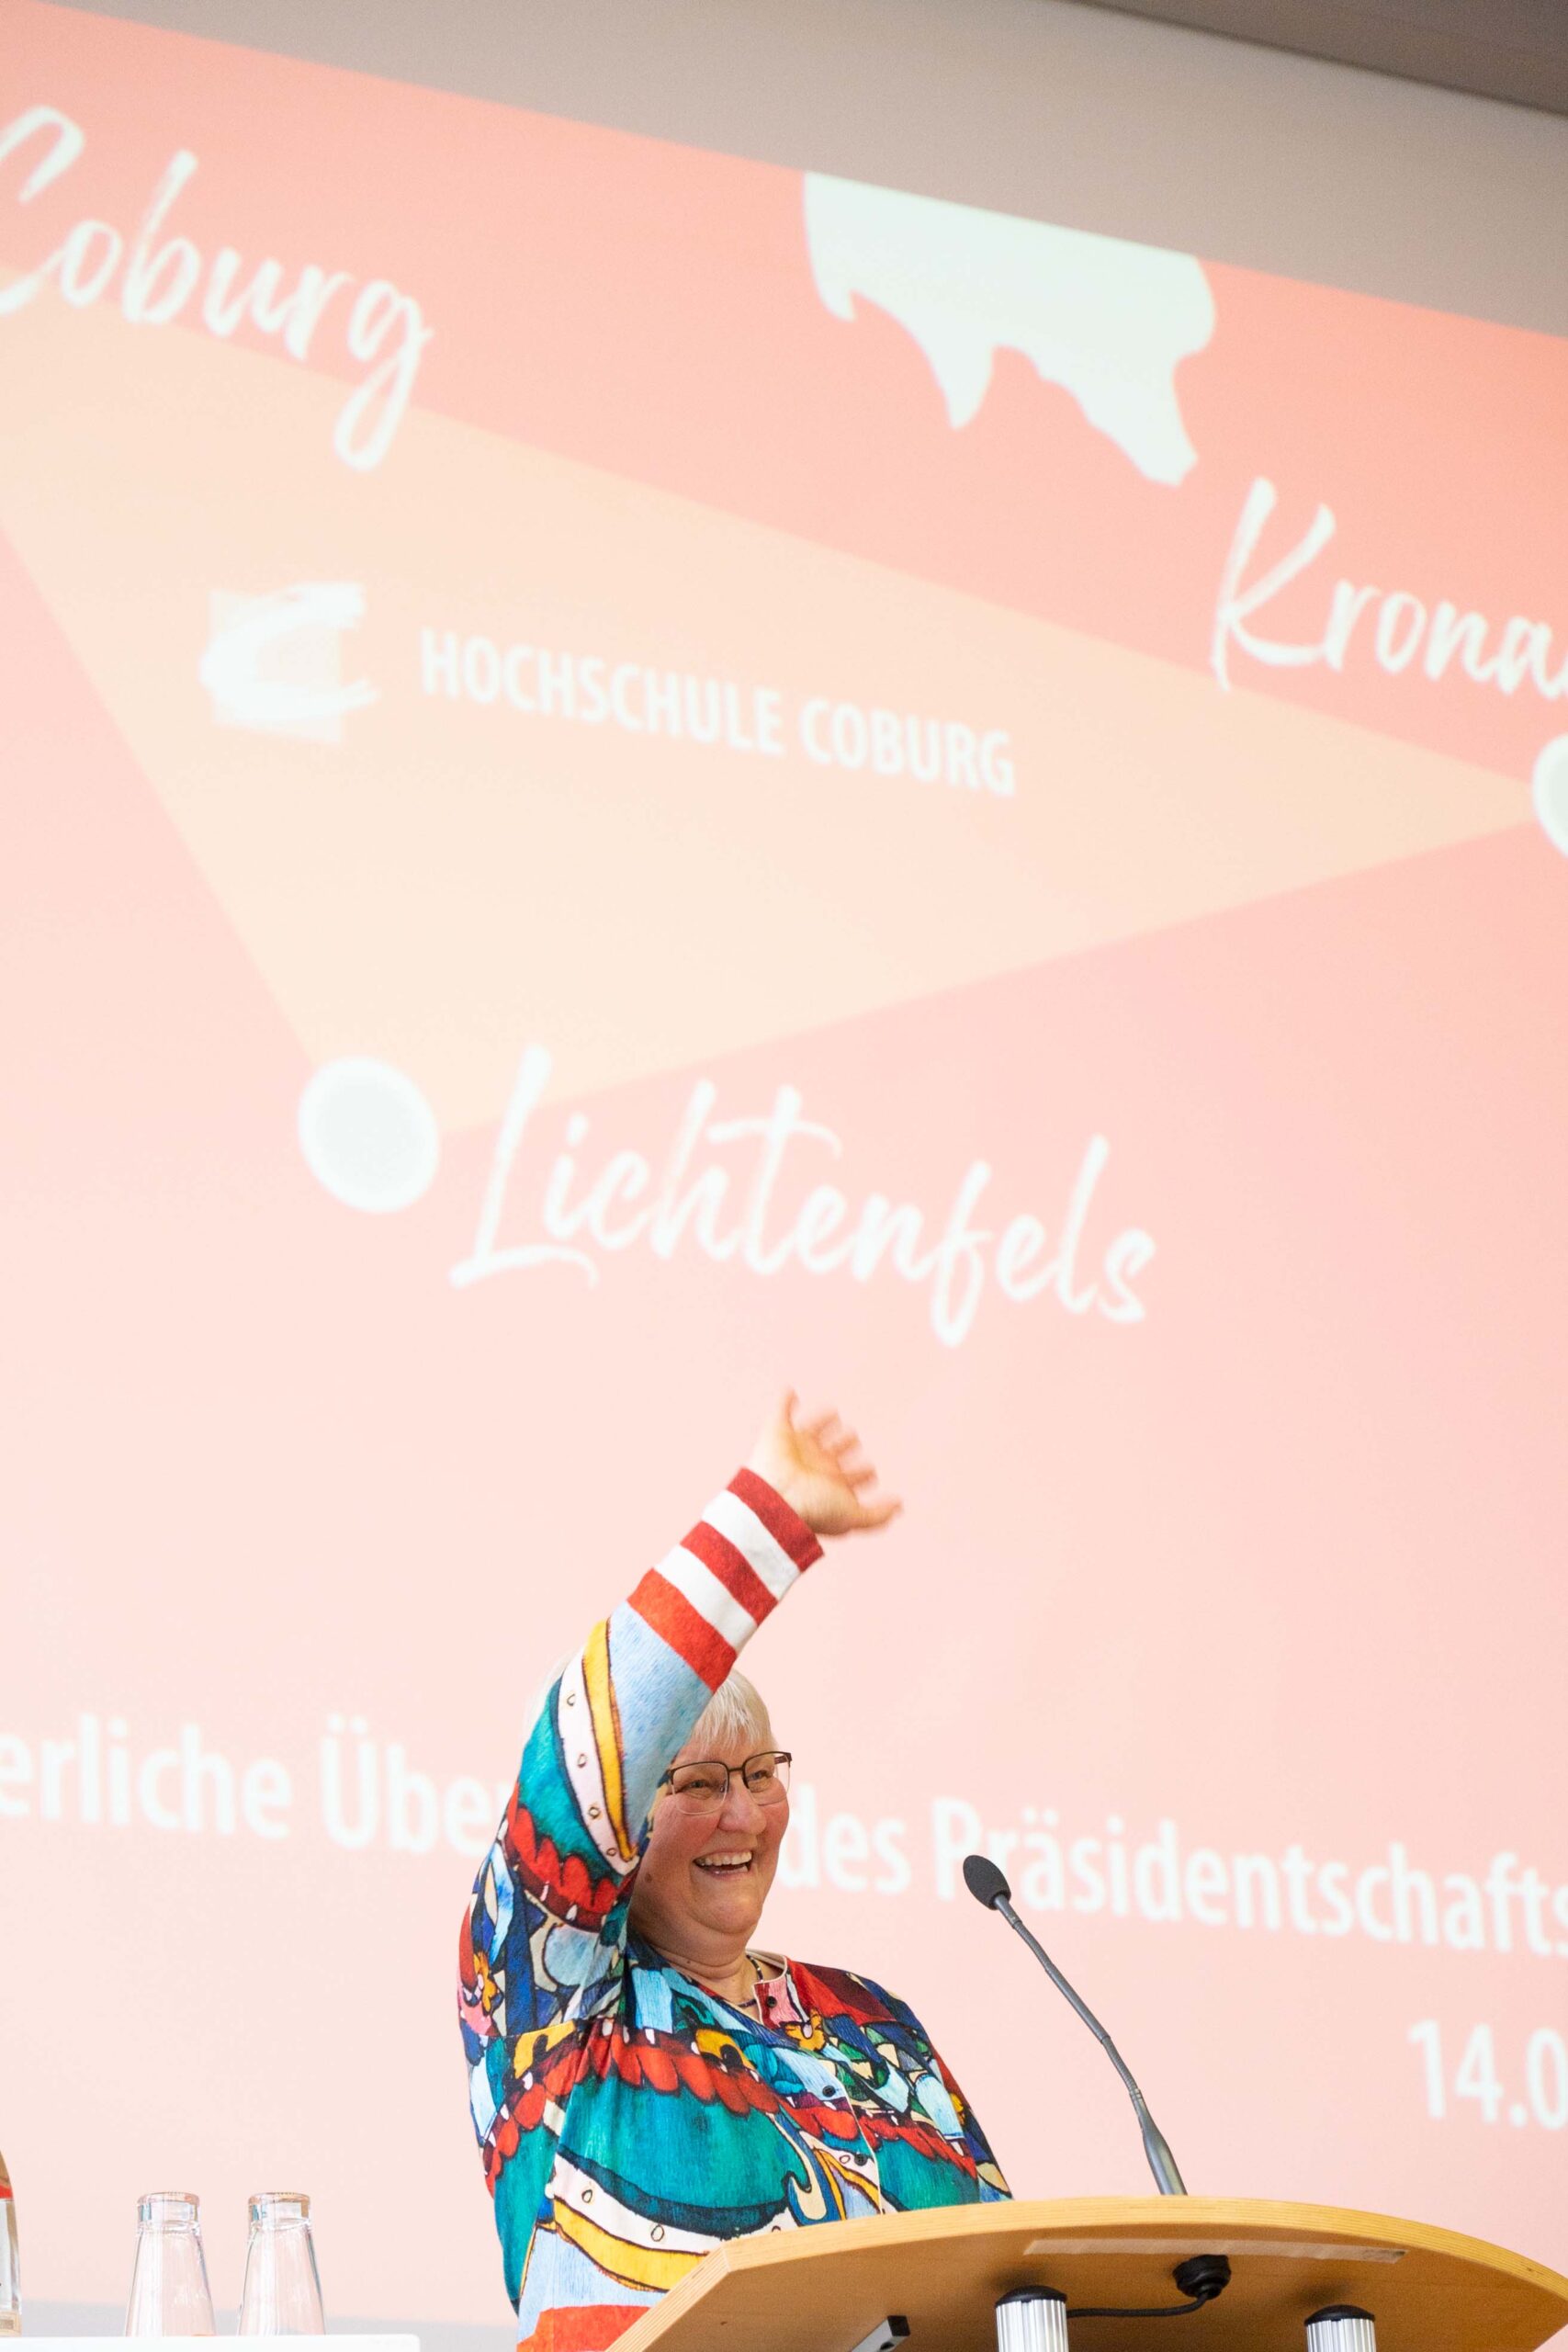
705, 1876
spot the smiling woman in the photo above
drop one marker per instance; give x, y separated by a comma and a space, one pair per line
646, 2087
713, 1845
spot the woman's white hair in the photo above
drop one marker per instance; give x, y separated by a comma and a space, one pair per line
736, 1712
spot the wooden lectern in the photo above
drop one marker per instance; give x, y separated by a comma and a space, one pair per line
827, 2287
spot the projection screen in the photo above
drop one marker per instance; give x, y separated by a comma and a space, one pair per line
635, 776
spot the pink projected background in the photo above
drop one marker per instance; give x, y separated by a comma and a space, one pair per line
632, 776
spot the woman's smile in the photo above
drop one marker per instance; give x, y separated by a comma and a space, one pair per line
720, 1865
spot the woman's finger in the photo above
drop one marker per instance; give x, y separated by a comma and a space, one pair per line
878, 1514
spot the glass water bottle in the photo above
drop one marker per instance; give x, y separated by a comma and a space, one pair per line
169, 2293
10, 2267
283, 2288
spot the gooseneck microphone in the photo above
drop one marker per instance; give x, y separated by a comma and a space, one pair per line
987, 1885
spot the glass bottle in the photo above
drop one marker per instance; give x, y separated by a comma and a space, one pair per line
169, 2293
10, 2265
282, 2293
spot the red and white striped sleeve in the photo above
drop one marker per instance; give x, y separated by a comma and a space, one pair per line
708, 1597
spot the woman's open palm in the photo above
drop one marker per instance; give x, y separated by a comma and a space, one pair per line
817, 1467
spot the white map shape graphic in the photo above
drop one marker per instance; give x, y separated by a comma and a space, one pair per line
1106, 320
1549, 791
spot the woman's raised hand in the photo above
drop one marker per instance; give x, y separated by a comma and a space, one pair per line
817, 1467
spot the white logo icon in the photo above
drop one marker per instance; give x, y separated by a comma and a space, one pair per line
368, 1136
274, 664
1106, 320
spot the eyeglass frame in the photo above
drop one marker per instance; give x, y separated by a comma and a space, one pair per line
783, 1756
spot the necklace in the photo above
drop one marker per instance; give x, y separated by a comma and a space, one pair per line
748, 2000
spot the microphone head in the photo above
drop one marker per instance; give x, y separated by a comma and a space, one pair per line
984, 1881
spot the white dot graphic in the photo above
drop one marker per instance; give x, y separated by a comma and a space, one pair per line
368, 1136
1550, 792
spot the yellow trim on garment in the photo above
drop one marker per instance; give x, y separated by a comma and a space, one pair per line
634, 2266
606, 1723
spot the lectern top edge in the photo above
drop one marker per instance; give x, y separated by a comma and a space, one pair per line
1176, 2220
819, 2290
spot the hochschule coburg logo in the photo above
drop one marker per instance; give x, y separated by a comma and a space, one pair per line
275, 664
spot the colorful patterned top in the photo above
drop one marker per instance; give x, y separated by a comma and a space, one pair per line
629, 2119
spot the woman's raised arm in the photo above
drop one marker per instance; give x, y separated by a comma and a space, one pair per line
544, 1936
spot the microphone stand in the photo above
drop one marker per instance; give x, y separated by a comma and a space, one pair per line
1202, 2275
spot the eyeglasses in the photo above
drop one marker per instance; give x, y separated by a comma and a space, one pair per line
703, 1786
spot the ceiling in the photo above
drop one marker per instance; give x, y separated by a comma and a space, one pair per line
1499, 49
